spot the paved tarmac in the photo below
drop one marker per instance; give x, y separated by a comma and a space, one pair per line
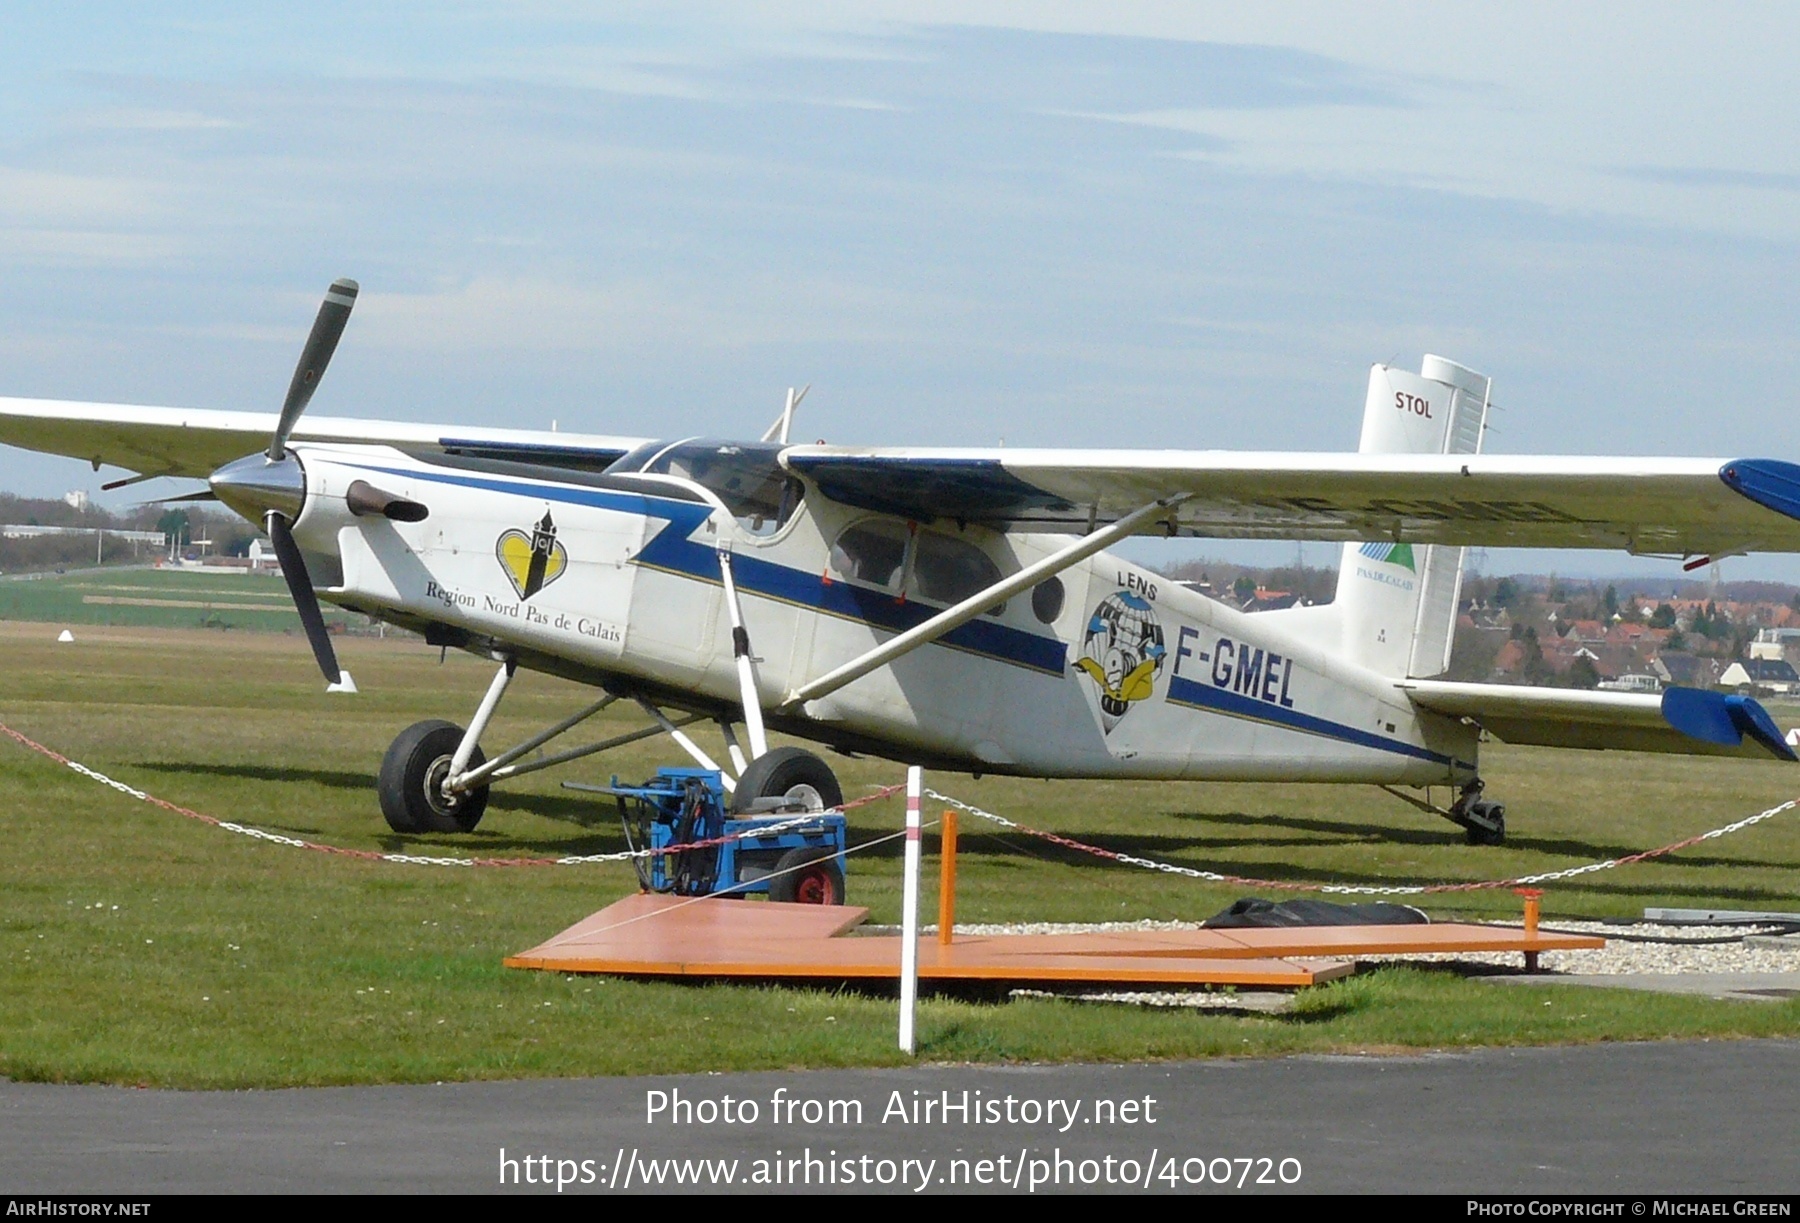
1728, 986
1706, 1117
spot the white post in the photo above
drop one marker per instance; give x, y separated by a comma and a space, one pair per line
909, 914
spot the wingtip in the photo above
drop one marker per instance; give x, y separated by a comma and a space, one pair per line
1771, 483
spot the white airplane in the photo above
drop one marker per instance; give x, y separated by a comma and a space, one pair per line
945, 607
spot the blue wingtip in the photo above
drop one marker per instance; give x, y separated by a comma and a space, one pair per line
1713, 717
1755, 721
1768, 482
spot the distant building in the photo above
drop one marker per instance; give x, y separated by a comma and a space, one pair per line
1684, 670
1632, 683
1772, 673
1273, 600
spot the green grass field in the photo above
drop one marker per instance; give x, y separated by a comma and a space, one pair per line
138, 946
156, 598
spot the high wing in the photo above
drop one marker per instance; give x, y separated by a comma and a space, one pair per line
192, 442
1648, 506
1683, 720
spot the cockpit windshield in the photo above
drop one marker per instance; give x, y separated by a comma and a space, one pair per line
746, 476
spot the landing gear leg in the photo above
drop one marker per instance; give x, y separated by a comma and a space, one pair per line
1483, 821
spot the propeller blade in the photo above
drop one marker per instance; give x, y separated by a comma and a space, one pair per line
334, 312
293, 570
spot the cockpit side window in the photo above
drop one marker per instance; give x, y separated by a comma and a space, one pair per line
872, 552
635, 458
948, 570
746, 476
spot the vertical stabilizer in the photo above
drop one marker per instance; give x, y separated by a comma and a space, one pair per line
1396, 602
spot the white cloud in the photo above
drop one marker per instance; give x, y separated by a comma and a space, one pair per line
56, 247
59, 197
148, 119
537, 314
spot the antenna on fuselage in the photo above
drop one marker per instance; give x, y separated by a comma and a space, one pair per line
778, 432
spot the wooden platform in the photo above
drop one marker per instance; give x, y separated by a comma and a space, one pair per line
662, 936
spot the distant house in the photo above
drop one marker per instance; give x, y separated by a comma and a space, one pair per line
1775, 674
1684, 670
1587, 632
1273, 600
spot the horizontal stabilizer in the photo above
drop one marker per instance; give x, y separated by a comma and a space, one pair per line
1682, 720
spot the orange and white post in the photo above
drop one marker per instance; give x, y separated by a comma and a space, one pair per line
909, 914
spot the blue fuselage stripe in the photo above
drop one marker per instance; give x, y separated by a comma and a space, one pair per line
1223, 700
671, 551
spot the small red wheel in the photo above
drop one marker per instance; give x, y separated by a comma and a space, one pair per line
808, 877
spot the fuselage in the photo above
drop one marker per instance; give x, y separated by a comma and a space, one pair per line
1106, 670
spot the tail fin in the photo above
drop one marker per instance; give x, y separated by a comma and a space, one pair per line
1395, 602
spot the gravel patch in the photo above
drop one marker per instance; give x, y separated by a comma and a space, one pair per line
1724, 948
1636, 949
1624, 956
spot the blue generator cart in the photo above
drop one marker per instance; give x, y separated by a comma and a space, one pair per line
786, 854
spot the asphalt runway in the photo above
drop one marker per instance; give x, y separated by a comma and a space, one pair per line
1679, 1118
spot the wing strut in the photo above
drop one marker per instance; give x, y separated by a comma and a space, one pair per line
974, 605
746, 662
687, 744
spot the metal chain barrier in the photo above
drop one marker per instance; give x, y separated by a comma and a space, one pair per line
1344, 889
371, 855
1167, 868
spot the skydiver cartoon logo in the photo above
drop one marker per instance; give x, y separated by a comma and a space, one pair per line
1122, 653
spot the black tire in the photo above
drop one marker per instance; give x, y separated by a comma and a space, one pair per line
807, 877
788, 772
411, 773
1492, 828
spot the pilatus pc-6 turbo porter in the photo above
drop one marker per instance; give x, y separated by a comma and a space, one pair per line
946, 607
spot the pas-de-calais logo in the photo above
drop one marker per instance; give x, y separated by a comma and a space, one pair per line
1122, 653
1393, 554
532, 561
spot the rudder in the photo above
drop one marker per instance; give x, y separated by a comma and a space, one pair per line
1396, 602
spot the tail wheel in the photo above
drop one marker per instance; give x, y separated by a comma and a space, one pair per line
790, 773
808, 877
412, 779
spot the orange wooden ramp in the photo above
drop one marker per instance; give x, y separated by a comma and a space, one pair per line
664, 936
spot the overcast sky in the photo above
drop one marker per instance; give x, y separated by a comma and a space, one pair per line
1062, 225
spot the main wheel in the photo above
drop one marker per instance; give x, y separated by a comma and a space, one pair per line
1487, 825
790, 773
808, 877
412, 777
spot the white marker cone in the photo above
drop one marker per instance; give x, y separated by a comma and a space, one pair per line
344, 684
65, 635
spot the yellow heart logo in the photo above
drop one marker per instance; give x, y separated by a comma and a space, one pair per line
532, 561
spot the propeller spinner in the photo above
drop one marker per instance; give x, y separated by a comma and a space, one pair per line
271, 487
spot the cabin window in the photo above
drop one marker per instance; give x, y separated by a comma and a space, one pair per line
872, 552
948, 570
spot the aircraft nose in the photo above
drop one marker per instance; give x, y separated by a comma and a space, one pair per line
255, 485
